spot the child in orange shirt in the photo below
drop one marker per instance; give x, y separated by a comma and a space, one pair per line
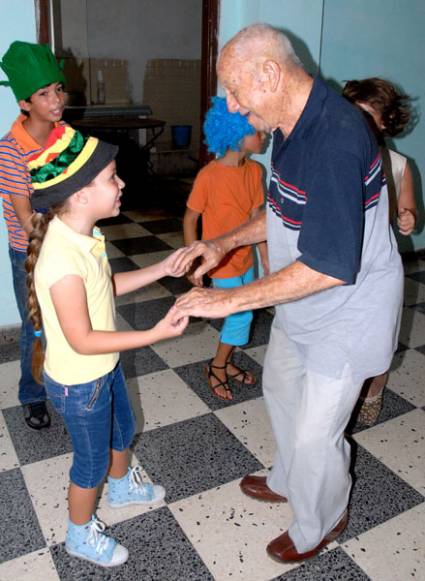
228, 192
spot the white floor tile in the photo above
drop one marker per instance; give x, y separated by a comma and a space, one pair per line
412, 332
164, 399
231, 531
400, 445
9, 373
393, 551
8, 457
199, 342
149, 258
250, 423
122, 231
36, 566
173, 239
407, 376
47, 482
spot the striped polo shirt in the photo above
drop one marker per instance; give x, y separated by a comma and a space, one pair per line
16, 147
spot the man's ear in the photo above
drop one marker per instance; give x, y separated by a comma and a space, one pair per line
24, 105
272, 73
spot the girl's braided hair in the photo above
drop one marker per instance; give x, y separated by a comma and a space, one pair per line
40, 223
385, 98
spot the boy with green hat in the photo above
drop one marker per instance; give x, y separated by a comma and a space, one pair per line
37, 82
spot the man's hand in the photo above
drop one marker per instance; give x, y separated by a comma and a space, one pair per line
207, 303
406, 221
211, 252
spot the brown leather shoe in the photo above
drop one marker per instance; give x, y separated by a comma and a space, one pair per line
282, 548
256, 487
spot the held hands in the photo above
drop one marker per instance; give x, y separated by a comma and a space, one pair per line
172, 266
210, 251
172, 325
406, 221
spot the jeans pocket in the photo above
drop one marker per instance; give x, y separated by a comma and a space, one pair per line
94, 395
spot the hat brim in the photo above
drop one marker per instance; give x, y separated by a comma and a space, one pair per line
55, 194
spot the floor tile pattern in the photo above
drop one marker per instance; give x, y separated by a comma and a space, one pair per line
199, 447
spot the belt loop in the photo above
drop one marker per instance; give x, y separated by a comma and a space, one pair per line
66, 391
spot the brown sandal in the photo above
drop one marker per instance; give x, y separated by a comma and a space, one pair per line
245, 375
210, 373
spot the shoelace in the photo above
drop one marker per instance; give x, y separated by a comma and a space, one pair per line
96, 538
135, 478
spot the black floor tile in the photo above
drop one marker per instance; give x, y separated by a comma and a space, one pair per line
419, 307
141, 245
122, 264
378, 495
121, 219
176, 286
260, 328
195, 376
20, 531
158, 551
418, 276
421, 349
34, 445
163, 226
141, 362
192, 456
146, 314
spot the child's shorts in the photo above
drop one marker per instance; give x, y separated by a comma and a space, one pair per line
98, 417
236, 327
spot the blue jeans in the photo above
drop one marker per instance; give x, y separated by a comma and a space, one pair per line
98, 417
29, 390
236, 327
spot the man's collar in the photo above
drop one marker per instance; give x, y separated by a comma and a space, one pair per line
311, 111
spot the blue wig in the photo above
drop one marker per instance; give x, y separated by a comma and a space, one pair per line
224, 130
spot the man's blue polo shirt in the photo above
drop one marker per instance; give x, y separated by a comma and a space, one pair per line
328, 208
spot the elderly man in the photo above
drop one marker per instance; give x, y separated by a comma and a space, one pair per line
336, 279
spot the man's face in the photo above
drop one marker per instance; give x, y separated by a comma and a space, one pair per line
244, 94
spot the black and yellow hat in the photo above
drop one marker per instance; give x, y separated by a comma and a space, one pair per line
69, 162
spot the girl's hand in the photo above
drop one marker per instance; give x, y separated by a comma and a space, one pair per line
172, 325
170, 265
406, 221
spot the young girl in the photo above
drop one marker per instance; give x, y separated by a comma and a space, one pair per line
71, 296
388, 114
227, 192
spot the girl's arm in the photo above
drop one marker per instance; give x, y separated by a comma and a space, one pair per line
23, 210
70, 302
407, 213
127, 282
190, 231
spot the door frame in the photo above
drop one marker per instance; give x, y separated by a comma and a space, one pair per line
210, 22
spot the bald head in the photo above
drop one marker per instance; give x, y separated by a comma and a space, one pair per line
258, 43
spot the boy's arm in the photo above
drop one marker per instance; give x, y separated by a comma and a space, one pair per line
23, 210
190, 226
406, 206
127, 282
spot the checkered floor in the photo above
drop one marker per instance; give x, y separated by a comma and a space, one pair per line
199, 447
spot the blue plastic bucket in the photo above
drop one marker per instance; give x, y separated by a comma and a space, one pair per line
181, 134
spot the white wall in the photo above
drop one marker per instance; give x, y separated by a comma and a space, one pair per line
17, 23
135, 30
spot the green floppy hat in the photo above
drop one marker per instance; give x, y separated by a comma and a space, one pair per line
30, 67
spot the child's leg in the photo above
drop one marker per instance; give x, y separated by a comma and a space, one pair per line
125, 485
217, 375
81, 503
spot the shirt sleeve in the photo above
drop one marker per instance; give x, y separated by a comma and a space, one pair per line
331, 234
65, 265
198, 197
14, 178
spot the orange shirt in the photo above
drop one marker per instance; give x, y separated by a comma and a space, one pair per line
226, 196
